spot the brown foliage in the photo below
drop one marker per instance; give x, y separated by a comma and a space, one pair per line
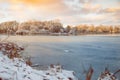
10, 49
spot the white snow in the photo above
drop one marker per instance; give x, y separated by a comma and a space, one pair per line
16, 69
107, 76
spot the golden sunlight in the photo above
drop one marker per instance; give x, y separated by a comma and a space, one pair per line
34, 2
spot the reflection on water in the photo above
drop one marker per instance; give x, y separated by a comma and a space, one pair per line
74, 52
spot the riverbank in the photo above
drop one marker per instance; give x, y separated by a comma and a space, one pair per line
14, 67
57, 34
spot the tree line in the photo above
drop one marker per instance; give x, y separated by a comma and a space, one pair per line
54, 27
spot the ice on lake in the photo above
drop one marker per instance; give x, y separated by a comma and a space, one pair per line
74, 51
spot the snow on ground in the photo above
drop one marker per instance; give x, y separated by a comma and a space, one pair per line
13, 67
16, 69
107, 75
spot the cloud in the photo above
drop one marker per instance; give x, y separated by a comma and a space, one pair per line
110, 10
116, 17
83, 6
85, 19
2, 15
88, 1
68, 11
90, 8
34, 2
49, 7
37, 9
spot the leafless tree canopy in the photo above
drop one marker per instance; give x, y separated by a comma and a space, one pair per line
54, 26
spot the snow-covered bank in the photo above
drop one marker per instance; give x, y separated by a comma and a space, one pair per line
13, 67
16, 69
106, 75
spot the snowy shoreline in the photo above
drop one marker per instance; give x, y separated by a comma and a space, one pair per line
68, 35
16, 69
13, 67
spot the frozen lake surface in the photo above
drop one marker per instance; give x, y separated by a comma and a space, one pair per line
74, 52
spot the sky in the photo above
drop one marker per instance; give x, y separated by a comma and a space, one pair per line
69, 12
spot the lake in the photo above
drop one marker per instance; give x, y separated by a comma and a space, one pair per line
74, 52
